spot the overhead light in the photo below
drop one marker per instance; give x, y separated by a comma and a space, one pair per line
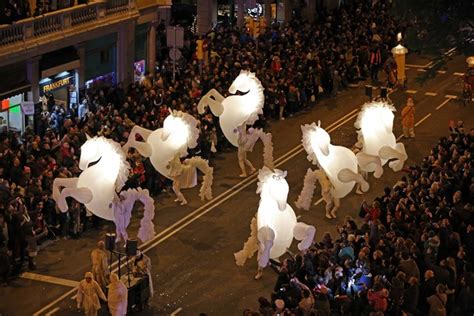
45, 80
62, 74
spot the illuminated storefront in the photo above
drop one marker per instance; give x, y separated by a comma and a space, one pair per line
62, 87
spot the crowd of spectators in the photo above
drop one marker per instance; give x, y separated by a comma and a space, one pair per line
295, 62
412, 254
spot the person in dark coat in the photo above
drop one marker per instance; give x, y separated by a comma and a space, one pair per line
411, 296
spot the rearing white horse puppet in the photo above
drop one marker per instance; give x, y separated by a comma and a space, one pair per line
164, 145
235, 112
338, 163
379, 145
104, 172
276, 225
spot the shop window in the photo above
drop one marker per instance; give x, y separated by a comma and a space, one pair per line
104, 56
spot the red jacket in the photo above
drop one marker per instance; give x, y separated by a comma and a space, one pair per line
378, 300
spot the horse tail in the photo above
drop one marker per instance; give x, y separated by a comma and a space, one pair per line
250, 246
306, 195
147, 229
205, 192
266, 139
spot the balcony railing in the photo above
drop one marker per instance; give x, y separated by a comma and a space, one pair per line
37, 27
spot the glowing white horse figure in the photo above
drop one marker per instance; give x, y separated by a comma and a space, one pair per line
96, 185
236, 110
104, 172
375, 129
338, 162
179, 132
276, 224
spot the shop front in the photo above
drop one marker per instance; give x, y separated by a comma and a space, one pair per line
60, 87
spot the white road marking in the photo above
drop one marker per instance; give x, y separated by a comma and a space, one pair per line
442, 104
441, 71
458, 73
450, 96
176, 312
431, 94
411, 91
423, 119
48, 279
416, 66
52, 311
421, 70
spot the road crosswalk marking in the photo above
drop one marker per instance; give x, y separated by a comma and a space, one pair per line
49, 279
431, 94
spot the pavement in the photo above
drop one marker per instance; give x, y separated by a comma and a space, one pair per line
192, 254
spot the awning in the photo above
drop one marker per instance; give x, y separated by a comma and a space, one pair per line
15, 91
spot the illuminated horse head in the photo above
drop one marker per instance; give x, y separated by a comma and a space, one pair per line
375, 128
179, 132
104, 172
238, 109
338, 162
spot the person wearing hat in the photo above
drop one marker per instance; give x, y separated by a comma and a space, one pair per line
117, 297
88, 294
408, 119
100, 265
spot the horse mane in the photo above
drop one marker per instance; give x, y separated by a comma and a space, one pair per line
193, 129
306, 140
264, 174
124, 169
365, 107
261, 97
368, 105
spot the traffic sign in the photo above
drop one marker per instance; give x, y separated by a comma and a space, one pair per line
175, 54
175, 36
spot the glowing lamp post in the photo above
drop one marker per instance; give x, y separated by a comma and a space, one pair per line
399, 53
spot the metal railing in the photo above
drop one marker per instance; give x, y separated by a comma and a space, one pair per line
37, 27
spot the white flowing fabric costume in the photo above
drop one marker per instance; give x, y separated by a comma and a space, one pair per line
235, 112
88, 294
339, 163
276, 223
104, 172
117, 297
379, 145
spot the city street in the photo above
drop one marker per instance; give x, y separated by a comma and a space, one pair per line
192, 254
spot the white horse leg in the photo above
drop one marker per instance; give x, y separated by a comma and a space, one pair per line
82, 195
60, 183
398, 153
347, 175
177, 190
213, 99
336, 202
143, 147
305, 234
242, 157
365, 160
365, 175
265, 237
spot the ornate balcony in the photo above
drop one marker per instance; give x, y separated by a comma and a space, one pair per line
37, 35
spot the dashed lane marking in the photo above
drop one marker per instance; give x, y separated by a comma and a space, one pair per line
52, 312
421, 70
431, 94
450, 96
458, 73
443, 104
411, 91
423, 119
441, 71
48, 279
176, 312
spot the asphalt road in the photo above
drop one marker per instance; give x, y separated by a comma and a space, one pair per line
194, 269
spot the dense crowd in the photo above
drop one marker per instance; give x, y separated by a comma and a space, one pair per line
413, 254
295, 62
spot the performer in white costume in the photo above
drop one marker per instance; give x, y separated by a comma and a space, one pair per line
104, 172
235, 112
165, 146
88, 294
117, 296
276, 224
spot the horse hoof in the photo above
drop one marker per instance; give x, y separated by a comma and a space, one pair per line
328, 216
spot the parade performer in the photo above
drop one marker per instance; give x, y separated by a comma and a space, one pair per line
276, 224
88, 295
408, 119
117, 297
100, 265
237, 111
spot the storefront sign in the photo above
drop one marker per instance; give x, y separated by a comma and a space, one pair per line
28, 107
60, 83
